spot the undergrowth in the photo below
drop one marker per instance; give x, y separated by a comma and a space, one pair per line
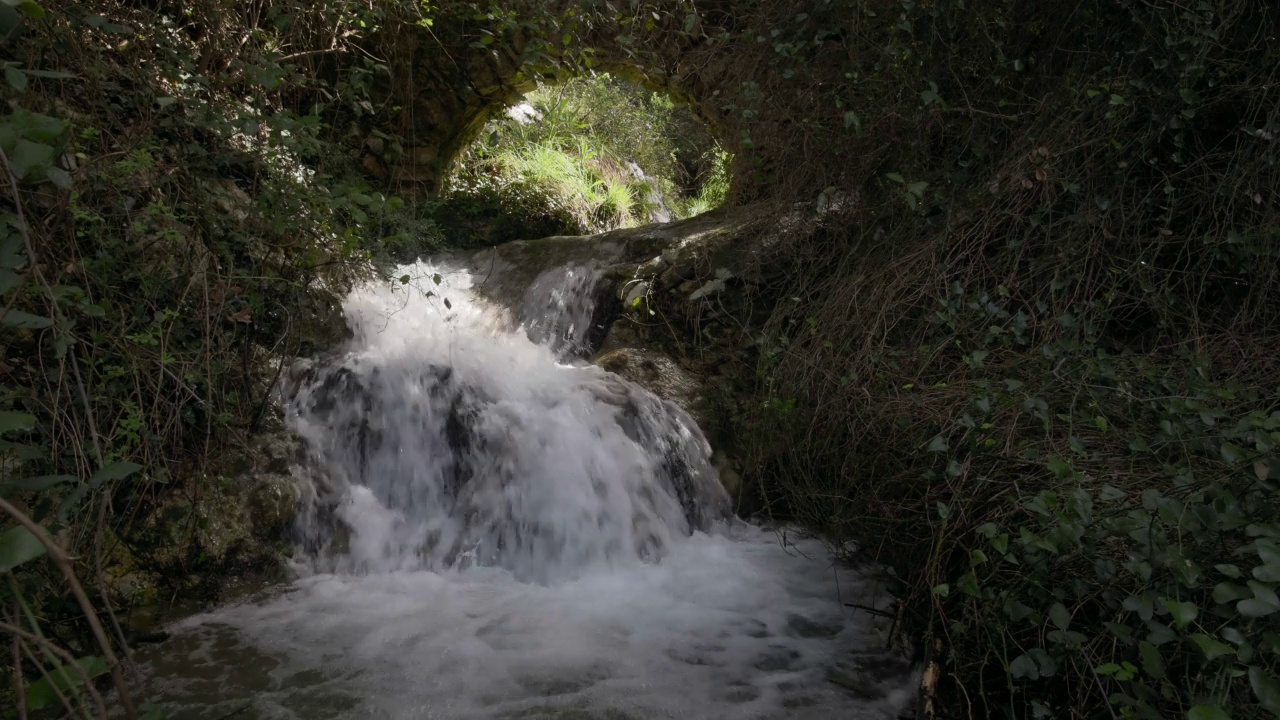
1030, 361
179, 218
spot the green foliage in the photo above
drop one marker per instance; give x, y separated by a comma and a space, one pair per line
565, 169
1027, 357
185, 209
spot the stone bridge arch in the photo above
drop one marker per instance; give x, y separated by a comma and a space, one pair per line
447, 94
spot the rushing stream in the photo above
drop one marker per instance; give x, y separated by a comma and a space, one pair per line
495, 529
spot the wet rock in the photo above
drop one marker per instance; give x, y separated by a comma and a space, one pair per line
658, 374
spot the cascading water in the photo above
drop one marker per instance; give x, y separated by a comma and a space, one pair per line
497, 531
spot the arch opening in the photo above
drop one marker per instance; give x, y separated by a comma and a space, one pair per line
585, 154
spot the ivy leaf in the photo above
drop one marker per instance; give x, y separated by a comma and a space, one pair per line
1061, 468
1212, 649
1059, 616
1183, 612
1231, 453
23, 320
1226, 592
16, 78
1140, 604
9, 280
10, 421
1207, 712
58, 176
1152, 663
17, 546
1267, 573
37, 127
49, 74
30, 8
114, 471
1024, 667
28, 156
1266, 688
851, 120
38, 484
44, 692
1268, 550
1255, 608
938, 444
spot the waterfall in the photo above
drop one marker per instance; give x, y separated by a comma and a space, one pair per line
493, 528
450, 440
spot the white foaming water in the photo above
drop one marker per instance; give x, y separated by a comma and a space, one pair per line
497, 533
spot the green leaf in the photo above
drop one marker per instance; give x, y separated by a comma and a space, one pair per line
1267, 573
1024, 667
1264, 593
1226, 592
1207, 712
851, 120
37, 484
16, 78
10, 421
1266, 688
1212, 648
938, 444
1230, 571
942, 590
30, 8
1061, 468
1183, 612
114, 471
9, 280
404, 279
1268, 550
897, 178
1152, 663
72, 500
1255, 608
17, 546
37, 127
1111, 492
50, 74
1231, 453
44, 692
437, 279
58, 176
29, 156
27, 321
1059, 616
